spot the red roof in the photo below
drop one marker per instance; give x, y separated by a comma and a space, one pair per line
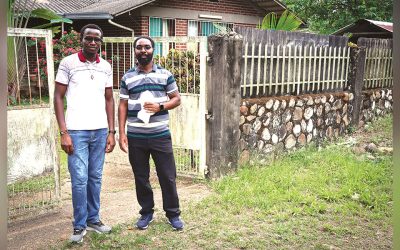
384, 25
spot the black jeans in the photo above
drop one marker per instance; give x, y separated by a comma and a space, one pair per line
160, 150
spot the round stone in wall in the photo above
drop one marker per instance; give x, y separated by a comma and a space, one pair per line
266, 121
242, 120
289, 126
257, 125
275, 139
261, 111
276, 105
300, 103
246, 129
260, 145
283, 104
276, 121
268, 148
251, 117
309, 138
387, 105
327, 107
310, 101
297, 130
344, 109
310, 126
297, 114
303, 125
266, 134
269, 104
323, 99
338, 117
308, 113
253, 109
286, 116
302, 139
290, 142
317, 100
320, 109
292, 102
337, 104
282, 132
244, 110
331, 98
345, 120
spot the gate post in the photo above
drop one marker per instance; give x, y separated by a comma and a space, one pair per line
223, 103
357, 62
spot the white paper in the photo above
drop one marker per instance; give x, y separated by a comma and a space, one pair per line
144, 115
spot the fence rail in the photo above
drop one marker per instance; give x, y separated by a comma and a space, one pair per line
378, 70
279, 70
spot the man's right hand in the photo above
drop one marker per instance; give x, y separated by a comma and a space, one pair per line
123, 142
66, 144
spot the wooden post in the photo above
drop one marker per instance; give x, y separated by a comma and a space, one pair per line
356, 78
223, 103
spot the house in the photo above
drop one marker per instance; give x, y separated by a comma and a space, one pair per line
161, 17
367, 28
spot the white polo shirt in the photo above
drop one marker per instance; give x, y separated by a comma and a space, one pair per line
87, 81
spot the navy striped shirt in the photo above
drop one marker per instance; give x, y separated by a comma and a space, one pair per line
160, 82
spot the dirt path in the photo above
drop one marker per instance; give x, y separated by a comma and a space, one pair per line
118, 205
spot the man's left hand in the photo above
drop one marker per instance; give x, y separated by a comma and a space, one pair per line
110, 143
151, 107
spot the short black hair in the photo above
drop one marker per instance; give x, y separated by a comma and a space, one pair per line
90, 26
143, 37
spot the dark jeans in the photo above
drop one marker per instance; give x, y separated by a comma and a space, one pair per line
160, 150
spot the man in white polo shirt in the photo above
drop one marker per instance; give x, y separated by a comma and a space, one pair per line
87, 131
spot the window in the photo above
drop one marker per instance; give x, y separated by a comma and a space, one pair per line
162, 27
205, 28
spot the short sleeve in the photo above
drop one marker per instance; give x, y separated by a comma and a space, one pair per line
123, 90
109, 83
171, 84
63, 73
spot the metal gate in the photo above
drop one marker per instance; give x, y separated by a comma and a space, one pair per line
186, 59
33, 171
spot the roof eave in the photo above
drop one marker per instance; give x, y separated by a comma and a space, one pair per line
88, 15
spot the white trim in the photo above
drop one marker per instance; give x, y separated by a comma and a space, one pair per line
148, 125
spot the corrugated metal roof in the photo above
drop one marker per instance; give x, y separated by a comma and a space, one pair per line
58, 6
384, 25
115, 7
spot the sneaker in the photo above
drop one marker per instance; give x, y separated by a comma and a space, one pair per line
77, 236
98, 227
176, 223
144, 221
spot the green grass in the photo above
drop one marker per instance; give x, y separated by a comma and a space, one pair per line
310, 199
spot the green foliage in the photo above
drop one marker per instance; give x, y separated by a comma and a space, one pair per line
185, 66
287, 21
328, 16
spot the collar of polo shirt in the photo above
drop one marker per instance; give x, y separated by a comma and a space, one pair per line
82, 57
154, 69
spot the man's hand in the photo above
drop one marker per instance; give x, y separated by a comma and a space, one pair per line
66, 144
151, 107
123, 142
110, 143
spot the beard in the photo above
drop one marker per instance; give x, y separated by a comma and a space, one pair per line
144, 60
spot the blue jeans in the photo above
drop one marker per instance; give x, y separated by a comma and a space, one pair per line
85, 166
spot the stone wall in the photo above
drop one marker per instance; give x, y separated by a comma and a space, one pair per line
375, 103
289, 122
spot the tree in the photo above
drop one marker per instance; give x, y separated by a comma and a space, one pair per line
327, 16
287, 21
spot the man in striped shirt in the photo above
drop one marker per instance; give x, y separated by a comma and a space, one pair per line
149, 137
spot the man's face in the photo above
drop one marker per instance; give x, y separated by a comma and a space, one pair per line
144, 51
91, 41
